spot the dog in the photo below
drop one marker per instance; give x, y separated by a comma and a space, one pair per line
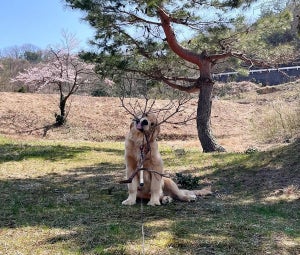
141, 151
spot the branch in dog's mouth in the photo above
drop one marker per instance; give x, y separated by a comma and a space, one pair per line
165, 113
140, 124
129, 180
125, 181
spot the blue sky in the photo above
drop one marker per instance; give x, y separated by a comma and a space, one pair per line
40, 22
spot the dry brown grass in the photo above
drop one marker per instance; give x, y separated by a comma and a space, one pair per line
98, 119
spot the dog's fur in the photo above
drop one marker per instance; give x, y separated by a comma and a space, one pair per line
143, 132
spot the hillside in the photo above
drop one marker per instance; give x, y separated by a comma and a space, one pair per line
235, 116
64, 197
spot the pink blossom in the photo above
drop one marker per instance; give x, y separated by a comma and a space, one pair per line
62, 69
108, 82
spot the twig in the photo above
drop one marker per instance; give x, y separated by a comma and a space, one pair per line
129, 180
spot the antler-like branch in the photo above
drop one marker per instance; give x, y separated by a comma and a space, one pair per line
130, 109
137, 108
165, 113
171, 109
146, 109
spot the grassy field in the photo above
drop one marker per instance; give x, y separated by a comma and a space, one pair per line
64, 198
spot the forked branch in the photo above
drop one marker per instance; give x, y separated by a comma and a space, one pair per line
129, 107
169, 111
165, 113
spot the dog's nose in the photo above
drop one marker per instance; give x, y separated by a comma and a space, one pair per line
144, 123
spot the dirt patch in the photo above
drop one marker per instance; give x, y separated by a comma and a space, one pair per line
234, 88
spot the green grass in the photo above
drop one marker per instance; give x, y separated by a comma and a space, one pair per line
64, 198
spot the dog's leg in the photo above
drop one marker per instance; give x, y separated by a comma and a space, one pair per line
186, 195
131, 165
156, 190
171, 189
132, 190
166, 200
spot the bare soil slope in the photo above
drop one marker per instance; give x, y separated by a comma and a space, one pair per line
103, 118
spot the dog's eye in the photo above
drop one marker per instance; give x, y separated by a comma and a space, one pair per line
152, 124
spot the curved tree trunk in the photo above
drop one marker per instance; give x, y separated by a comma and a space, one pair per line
205, 83
207, 140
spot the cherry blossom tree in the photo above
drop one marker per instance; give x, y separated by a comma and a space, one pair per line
63, 70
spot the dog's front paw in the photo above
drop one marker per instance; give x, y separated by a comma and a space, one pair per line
166, 200
129, 202
192, 198
153, 202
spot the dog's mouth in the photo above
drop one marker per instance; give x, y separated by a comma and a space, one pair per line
140, 124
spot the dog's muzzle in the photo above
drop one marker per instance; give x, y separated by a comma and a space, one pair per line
141, 123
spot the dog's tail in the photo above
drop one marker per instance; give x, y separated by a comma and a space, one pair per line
206, 191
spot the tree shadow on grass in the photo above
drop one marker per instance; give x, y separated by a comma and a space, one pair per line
87, 201
260, 174
19, 152
222, 228
86, 198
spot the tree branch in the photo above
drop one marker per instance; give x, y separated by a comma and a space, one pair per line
189, 89
215, 57
251, 62
172, 41
172, 109
130, 110
137, 18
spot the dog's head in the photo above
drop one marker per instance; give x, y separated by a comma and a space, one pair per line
147, 124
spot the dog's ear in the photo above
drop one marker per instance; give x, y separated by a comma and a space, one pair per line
157, 129
131, 125
155, 132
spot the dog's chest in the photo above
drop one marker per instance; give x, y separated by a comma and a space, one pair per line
138, 149
142, 152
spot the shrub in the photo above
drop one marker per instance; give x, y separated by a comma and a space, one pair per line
187, 181
251, 150
22, 90
99, 92
278, 122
